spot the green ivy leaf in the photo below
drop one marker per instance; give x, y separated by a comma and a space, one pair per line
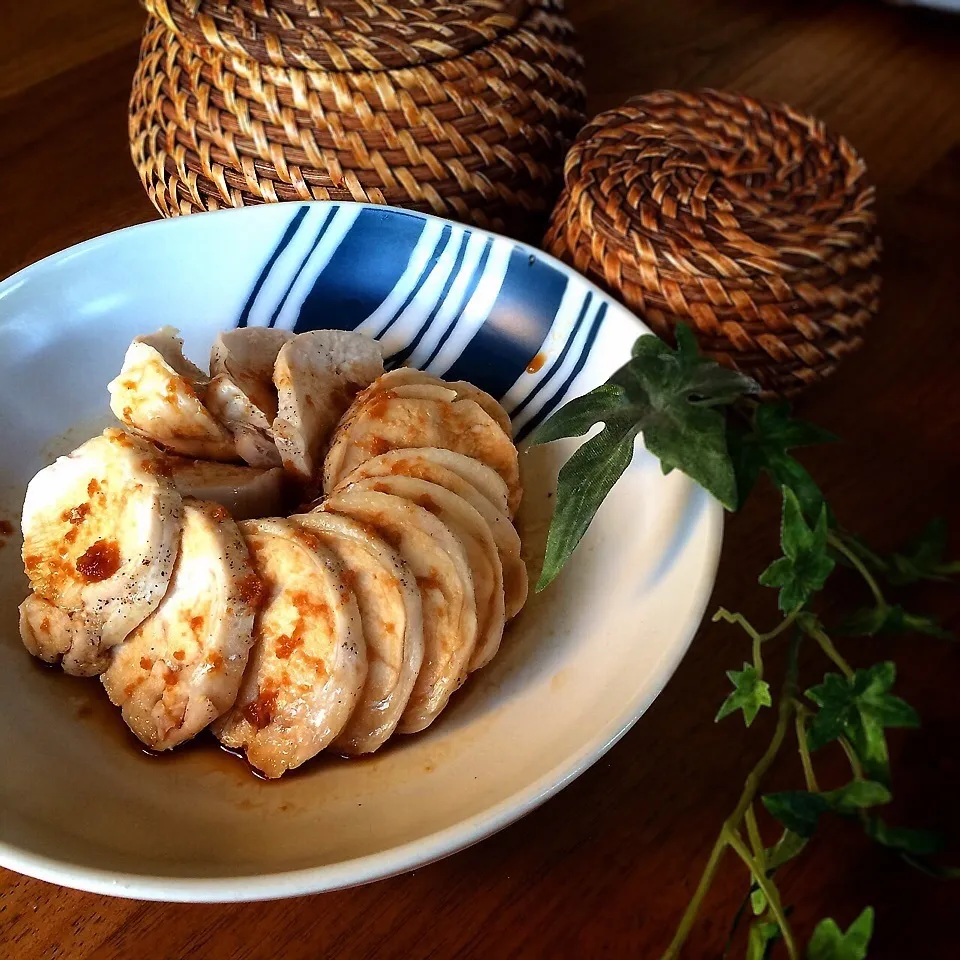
760, 939
921, 559
860, 709
830, 943
670, 396
582, 485
892, 618
764, 448
685, 372
575, 418
797, 810
856, 795
806, 564
800, 811
749, 695
921, 843
786, 848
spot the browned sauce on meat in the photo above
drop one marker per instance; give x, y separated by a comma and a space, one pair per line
287, 644
259, 712
251, 590
102, 560
428, 583
428, 504
377, 446
76, 515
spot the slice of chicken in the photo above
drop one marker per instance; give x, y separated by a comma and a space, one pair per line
424, 464
55, 637
242, 395
308, 664
390, 613
484, 480
395, 423
408, 378
247, 492
160, 395
101, 529
472, 530
181, 668
439, 562
317, 375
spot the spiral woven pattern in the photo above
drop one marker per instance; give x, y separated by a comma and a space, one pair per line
479, 137
745, 220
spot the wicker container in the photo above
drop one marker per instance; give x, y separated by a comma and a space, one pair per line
745, 220
462, 109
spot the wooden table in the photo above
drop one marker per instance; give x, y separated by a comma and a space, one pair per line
606, 868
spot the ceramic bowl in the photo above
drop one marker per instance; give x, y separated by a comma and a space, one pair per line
80, 805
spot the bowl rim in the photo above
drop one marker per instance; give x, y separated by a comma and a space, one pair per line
434, 846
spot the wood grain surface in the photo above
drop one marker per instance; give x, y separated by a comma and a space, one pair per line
605, 868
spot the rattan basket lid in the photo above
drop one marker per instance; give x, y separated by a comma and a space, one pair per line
747, 221
341, 35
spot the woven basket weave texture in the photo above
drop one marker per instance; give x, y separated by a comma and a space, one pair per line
745, 220
464, 110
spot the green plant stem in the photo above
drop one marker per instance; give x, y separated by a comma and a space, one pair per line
753, 832
852, 757
693, 907
750, 788
826, 645
837, 543
768, 889
801, 727
758, 638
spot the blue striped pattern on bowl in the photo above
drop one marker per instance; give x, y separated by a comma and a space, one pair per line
453, 300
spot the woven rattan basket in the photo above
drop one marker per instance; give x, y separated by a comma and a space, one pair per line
462, 109
745, 220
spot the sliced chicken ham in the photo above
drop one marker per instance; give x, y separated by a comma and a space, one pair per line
159, 395
308, 664
431, 464
470, 528
242, 395
388, 422
439, 562
390, 613
317, 375
101, 531
246, 492
181, 668
405, 380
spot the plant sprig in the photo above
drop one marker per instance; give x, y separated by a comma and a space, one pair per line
700, 418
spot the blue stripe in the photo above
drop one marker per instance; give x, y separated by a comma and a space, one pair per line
558, 363
467, 295
288, 235
366, 266
402, 355
421, 280
296, 276
551, 404
517, 327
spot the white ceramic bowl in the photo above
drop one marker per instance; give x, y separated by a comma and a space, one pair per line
81, 806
